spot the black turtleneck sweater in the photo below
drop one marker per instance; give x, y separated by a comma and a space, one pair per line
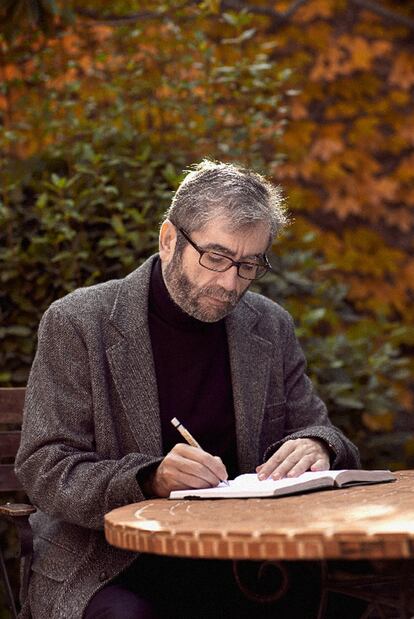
193, 375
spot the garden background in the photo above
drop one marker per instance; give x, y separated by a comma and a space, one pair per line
101, 109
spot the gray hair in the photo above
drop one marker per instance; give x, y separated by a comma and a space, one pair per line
212, 189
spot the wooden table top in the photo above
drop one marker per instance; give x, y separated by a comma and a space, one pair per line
363, 522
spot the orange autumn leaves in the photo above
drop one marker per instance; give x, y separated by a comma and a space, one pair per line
349, 162
349, 147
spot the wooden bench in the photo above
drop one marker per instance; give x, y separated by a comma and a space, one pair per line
11, 412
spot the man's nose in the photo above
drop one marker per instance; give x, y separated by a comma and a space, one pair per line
229, 279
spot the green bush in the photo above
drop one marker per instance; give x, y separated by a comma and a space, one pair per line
89, 212
77, 217
355, 364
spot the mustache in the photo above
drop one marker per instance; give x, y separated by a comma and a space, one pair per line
217, 292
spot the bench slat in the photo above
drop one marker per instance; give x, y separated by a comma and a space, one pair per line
9, 443
8, 479
11, 412
11, 404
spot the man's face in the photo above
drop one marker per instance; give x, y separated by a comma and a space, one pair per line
210, 295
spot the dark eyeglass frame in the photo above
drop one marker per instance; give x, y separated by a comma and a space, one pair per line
232, 263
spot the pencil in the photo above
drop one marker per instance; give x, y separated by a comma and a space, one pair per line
189, 438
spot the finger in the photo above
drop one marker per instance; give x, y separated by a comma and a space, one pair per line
320, 465
286, 466
268, 467
196, 469
213, 464
222, 468
170, 477
300, 467
184, 480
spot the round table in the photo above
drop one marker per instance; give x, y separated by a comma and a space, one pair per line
363, 522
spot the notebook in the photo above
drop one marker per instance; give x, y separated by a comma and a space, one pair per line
248, 485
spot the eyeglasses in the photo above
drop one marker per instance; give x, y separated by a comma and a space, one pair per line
213, 261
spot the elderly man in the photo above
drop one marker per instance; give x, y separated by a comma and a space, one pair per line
179, 337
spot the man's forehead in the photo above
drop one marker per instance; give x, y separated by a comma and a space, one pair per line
220, 235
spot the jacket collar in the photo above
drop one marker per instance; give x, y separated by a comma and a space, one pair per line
131, 360
250, 362
133, 369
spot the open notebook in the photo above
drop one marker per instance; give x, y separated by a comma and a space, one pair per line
248, 485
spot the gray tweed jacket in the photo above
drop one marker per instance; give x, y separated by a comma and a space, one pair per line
91, 422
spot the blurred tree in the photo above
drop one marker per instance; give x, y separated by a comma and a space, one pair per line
102, 107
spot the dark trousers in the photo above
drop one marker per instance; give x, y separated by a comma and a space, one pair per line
157, 587
169, 588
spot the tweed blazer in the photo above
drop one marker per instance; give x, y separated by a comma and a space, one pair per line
91, 423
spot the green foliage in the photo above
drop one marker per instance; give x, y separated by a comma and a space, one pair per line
76, 218
354, 363
98, 124
89, 167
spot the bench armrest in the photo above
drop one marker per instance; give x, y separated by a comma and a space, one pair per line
16, 510
18, 514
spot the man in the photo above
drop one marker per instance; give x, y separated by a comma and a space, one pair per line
179, 337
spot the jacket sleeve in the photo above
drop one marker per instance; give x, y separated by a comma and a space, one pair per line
57, 462
306, 414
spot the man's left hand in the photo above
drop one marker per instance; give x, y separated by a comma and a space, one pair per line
294, 458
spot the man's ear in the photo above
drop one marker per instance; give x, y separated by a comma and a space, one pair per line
167, 241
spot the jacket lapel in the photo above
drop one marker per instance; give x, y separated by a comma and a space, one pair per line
132, 366
250, 362
132, 363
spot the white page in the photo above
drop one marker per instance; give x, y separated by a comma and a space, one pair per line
250, 481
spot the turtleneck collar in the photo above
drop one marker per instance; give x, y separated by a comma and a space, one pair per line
162, 305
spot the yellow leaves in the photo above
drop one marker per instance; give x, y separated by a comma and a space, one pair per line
343, 206
363, 251
407, 129
366, 196
309, 169
380, 422
102, 32
70, 43
380, 278
408, 197
378, 190
324, 148
365, 128
360, 51
405, 171
61, 80
298, 110
11, 72
401, 218
345, 55
298, 138
402, 73
210, 6
316, 8
317, 35
399, 97
357, 87
329, 64
407, 273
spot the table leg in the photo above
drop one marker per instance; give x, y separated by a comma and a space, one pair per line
387, 587
266, 582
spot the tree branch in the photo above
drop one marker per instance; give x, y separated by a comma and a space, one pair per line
238, 5
116, 20
374, 7
275, 16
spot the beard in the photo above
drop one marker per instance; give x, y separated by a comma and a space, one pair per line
205, 303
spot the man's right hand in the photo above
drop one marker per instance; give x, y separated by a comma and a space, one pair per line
186, 467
